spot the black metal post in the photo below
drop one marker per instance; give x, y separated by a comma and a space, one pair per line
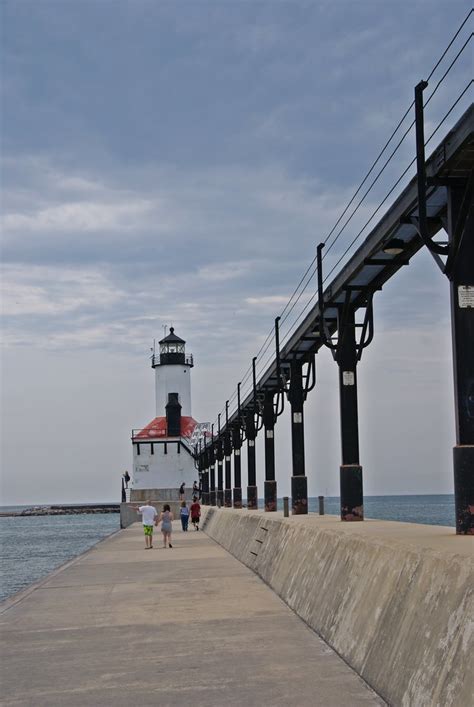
220, 476
228, 480
347, 352
205, 479
205, 487
237, 444
270, 486
352, 500
299, 484
459, 268
227, 453
228, 475
212, 492
212, 470
420, 157
462, 328
252, 491
220, 458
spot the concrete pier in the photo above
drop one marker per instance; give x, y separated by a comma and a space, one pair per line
395, 600
184, 626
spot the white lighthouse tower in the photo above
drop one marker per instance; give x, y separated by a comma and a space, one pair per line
162, 451
172, 373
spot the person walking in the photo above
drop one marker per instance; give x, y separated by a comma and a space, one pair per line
195, 513
196, 490
184, 515
166, 520
148, 514
181, 491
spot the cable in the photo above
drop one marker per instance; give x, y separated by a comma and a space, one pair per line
382, 152
290, 305
310, 266
386, 197
398, 180
378, 174
374, 213
383, 168
449, 68
450, 44
449, 112
349, 204
357, 207
405, 134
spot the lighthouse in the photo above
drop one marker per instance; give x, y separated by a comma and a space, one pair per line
163, 450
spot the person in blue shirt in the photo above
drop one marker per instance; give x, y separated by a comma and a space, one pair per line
184, 515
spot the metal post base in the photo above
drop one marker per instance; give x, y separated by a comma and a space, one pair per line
205, 499
464, 488
299, 495
237, 494
220, 498
352, 498
252, 498
270, 492
228, 498
213, 498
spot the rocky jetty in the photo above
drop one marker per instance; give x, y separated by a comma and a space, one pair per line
58, 510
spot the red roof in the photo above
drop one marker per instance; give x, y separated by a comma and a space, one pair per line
157, 428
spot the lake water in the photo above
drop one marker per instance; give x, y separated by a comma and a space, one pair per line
33, 546
36, 545
430, 509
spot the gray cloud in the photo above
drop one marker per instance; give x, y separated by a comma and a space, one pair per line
179, 166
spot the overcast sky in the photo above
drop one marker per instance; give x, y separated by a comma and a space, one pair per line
177, 163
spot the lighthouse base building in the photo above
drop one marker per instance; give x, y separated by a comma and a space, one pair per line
162, 460
163, 450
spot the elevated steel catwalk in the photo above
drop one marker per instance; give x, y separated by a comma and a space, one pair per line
370, 267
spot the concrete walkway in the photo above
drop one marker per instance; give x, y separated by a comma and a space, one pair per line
184, 626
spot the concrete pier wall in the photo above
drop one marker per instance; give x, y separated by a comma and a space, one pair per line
159, 495
395, 600
128, 515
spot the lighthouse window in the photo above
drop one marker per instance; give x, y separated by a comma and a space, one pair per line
172, 347
138, 449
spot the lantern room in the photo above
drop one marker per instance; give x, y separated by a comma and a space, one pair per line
172, 351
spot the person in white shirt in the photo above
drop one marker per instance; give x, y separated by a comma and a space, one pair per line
148, 514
